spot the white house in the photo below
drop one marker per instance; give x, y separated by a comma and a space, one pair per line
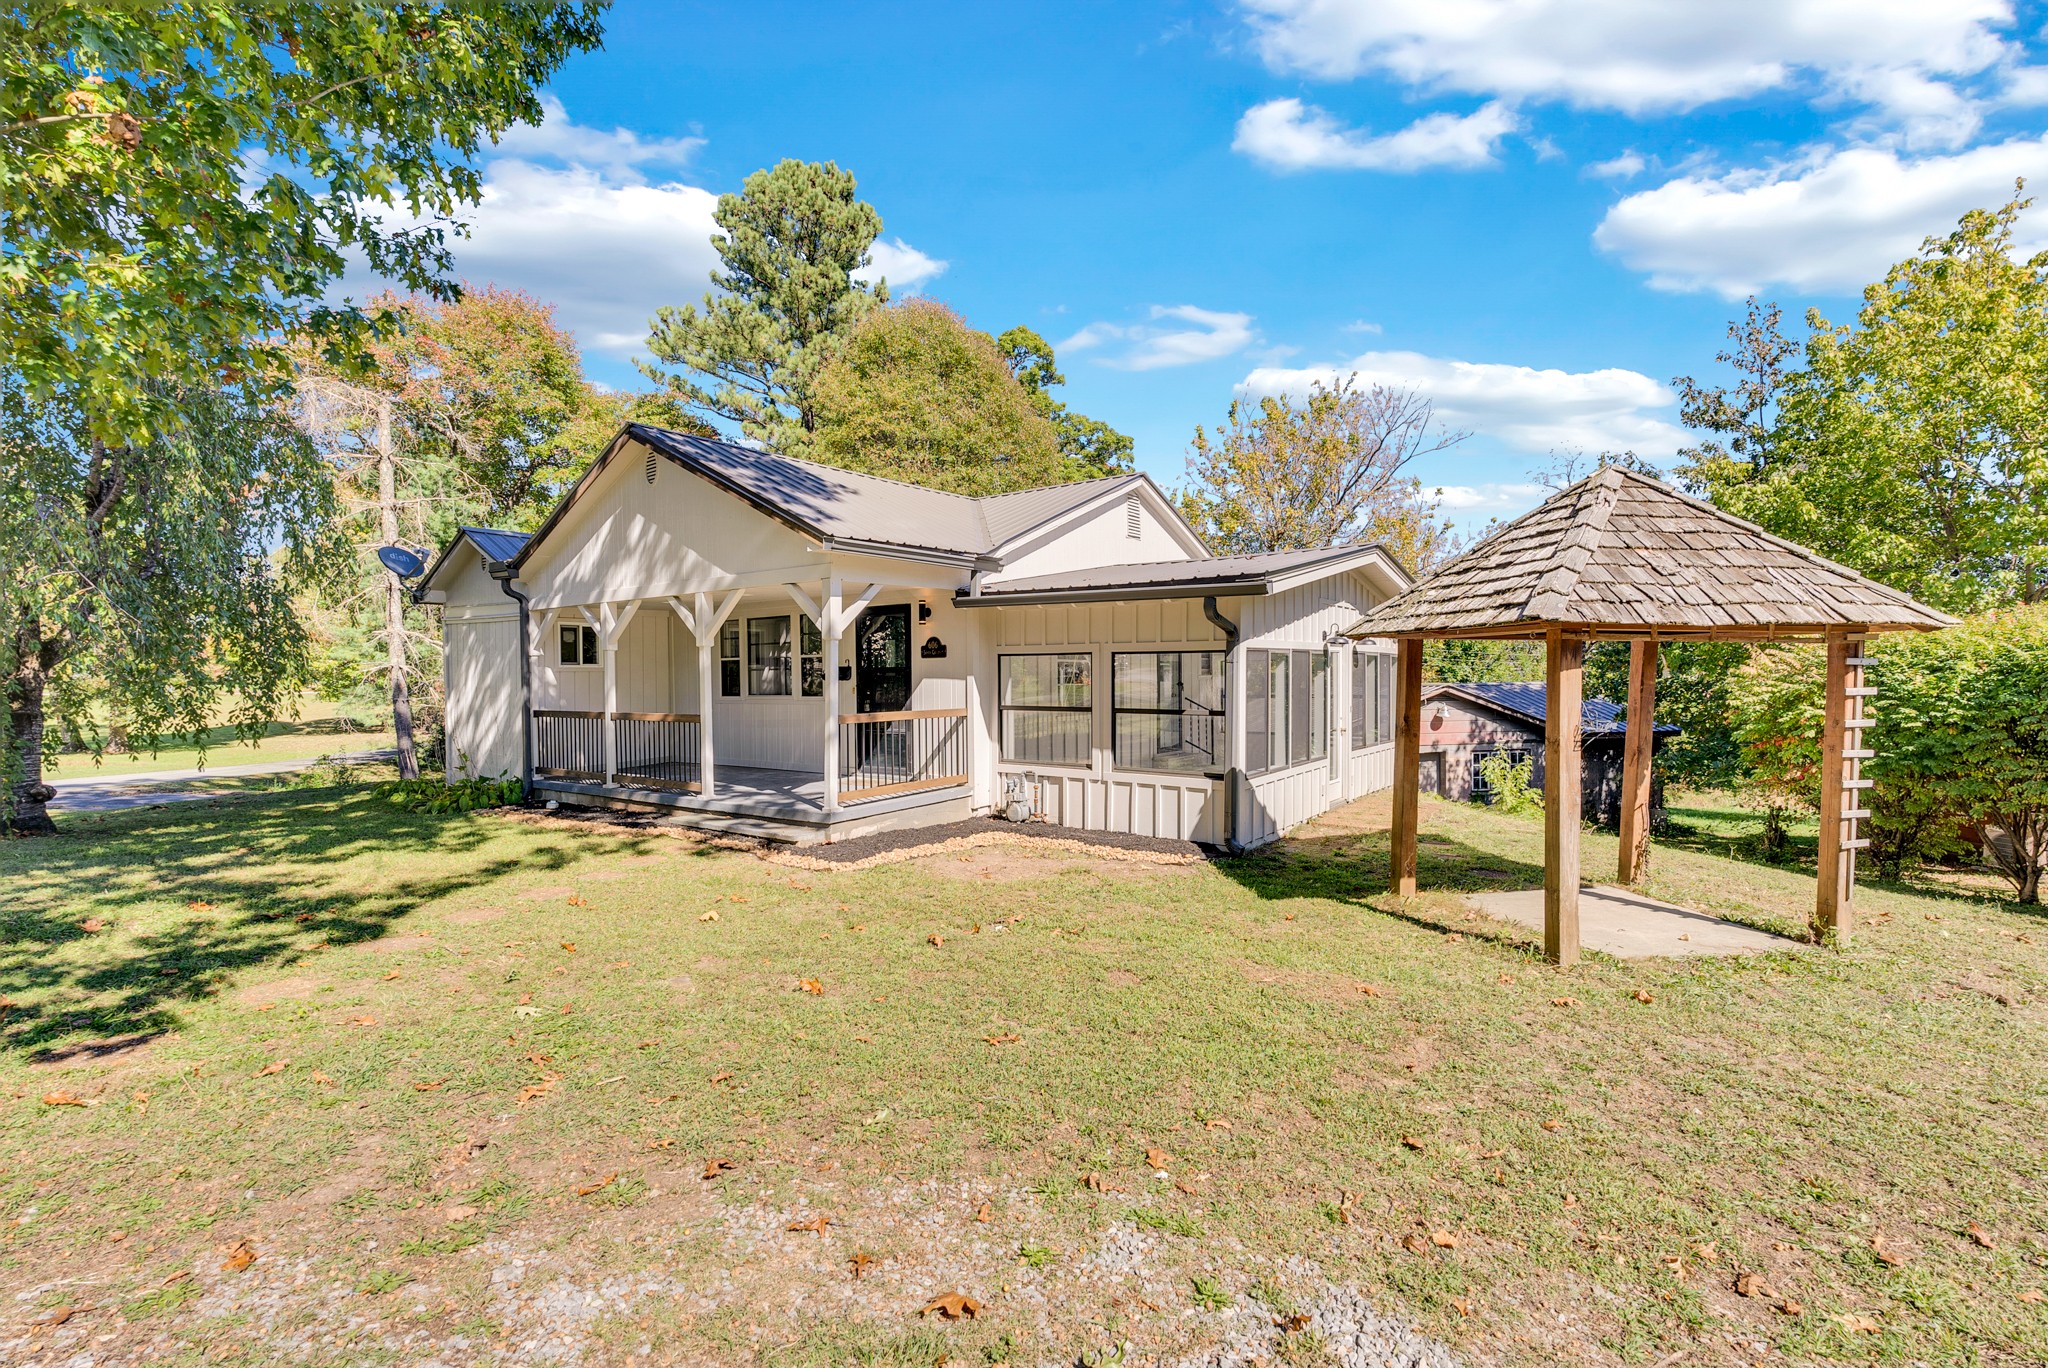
761, 644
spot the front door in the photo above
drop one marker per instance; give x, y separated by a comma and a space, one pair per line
881, 653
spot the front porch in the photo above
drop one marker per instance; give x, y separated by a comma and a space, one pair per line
783, 805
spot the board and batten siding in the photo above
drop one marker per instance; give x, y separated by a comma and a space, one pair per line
1098, 796
480, 674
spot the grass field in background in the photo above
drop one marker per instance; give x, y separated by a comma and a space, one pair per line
319, 729
1609, 1149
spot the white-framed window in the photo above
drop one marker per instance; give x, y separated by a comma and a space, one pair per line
768, 656
1372, 702
1047, 706
1287, 708
578, 644
1481, 789
1166, 710
729, 660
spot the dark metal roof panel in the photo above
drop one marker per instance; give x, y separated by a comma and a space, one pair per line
1597, 715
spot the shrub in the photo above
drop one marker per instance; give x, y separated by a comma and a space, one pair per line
1512, 783
464, 795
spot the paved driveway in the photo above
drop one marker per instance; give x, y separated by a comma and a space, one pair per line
113, 793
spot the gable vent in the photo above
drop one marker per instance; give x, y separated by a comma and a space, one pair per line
653, 464
1133, 524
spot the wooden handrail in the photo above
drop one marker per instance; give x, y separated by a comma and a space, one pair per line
845, 718
559, 712
656, 717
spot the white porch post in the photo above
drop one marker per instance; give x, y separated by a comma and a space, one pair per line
612, 624
705, 624
828, 627
536, 650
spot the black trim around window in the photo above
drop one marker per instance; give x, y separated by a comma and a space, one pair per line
1034, 731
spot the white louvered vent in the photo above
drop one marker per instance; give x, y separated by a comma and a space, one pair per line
1133, 524
653, 464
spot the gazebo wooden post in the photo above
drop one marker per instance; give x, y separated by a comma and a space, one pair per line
1638, 750
1407, 764
1564, 684
1841, 786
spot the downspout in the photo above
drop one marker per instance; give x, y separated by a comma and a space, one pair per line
502, 573
1231, 771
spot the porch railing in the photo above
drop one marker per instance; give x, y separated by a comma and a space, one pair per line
569, 745
658, 750
901, 752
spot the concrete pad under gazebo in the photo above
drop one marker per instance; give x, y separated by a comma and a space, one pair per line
1621, 557
1629, 925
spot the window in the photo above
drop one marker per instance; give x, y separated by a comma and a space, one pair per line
1386, 673
729, 660
811, 656
1287, 708
1480, 788
1368, 677
579, 645
1048, 708
1166, 710
768, 656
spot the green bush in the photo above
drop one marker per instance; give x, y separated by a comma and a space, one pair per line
464, 795
1512, 782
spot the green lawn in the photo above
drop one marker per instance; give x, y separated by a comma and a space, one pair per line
509, 1049
318, 730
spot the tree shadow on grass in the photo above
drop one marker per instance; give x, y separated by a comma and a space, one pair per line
263, 881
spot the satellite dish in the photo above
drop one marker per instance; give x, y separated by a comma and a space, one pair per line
400, 561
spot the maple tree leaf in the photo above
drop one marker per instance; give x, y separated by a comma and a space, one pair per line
273, 1067
599, 1186
952, 1306
714, 1167
1157, 1158
810, 986
239, 1256
1009, 1038
860, 1262
816, 1223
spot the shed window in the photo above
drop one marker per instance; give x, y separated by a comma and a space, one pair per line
1287, 709
1048, 708
1166, 710
579, 645
1481, 790
729, 660
768, 656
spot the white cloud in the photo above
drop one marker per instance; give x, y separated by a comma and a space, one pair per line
1291, 136
1830, 222
1489, 498
1521, 407
1629, 164
902, 265
571, 215
1359, 325
1610, 54
1203, 335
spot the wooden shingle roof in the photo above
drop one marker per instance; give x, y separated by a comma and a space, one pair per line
1620, 555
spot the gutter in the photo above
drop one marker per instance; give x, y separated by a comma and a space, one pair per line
1231, 772
502, 573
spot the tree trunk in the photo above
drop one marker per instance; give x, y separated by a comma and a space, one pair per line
34, 659
394, 599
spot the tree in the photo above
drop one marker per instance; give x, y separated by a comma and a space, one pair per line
916, 394
792, 240
1285, 474
1091, 449
1743, 415
1693, 682
1909, 445
1568, 467
152, 575
180, 184
1481, 660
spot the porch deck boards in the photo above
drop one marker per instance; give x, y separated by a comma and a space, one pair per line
748, 791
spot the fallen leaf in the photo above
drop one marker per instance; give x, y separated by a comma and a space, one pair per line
1290, 916
735, 897
661, 1144
434, 1086
1443, 1239
322, 1079
1673, 1265
578, 901
816, 1223
1643, 995
1009, 1038
240, 1256
362, 1021
390, 976
952, 1306
1453, 937
810, 986
1980, 1235
1564, 1002
1411, 1142
712, 915
714, 1167
199, 905
1157, 1159
58, 1316
570, 946
533, 1091
1369, 989
599, 1186
1789, 1307
935, 939
1415, 1243
94, 925
1464, 1305
60, 1098
2033, 1294
1754, 1285
1553, 1124
1707, 1253
1887, 1253
1188, 1188
722, 1076
985, 1214
1856, 1323
176, 1278
1216, 1123
1507, 978
275, 1066
267, 1007
860, 1262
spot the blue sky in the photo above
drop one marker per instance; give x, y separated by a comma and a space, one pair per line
1535, 211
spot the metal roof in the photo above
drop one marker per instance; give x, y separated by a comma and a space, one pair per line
499, 546
1239, 574
1618, 554
851, 506
1598, 716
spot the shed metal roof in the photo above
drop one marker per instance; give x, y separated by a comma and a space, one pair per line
1532, 701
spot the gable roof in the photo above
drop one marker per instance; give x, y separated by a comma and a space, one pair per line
1263, 573
1622, 552
1531, 703
853, 511
493, 543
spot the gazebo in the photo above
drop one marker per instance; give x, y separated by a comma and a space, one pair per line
1621, 557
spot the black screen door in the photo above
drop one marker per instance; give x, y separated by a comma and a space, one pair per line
882, 658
